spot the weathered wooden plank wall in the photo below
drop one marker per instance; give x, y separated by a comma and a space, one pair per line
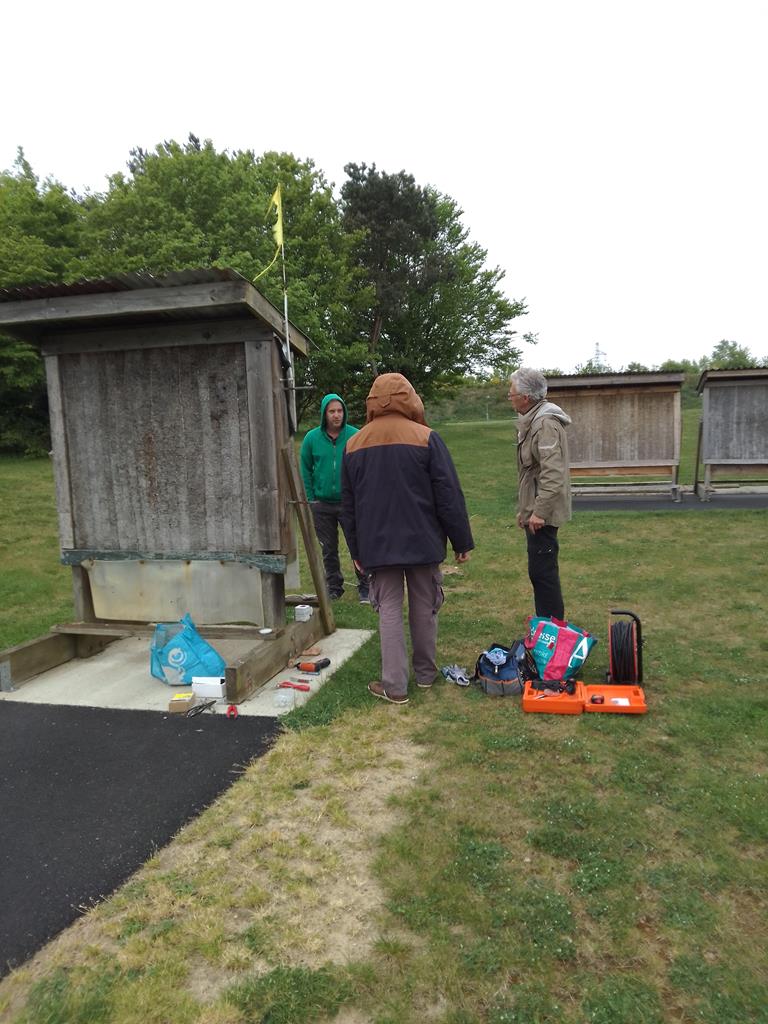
735, 416
621, 425
160, 450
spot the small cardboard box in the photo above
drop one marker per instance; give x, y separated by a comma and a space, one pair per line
181, 702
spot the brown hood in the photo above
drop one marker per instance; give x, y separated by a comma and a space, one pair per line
393, 393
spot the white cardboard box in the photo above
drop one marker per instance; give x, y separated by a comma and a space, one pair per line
209, 686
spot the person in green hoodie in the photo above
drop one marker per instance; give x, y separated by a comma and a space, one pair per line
321, 452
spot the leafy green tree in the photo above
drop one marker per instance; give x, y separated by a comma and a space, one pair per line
41, 228
728, 355
434, 312
188, 206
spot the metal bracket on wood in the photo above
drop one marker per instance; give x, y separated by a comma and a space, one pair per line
5, 677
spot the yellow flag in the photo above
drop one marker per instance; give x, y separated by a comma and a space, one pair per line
277, 227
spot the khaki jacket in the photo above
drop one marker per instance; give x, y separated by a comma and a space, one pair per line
544, 481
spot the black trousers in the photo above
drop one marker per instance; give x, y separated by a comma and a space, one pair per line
327, 527
544, 572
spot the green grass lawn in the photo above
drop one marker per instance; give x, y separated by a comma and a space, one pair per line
456, 860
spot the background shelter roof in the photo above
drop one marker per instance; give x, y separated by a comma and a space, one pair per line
614, 380
30, 311
747, 373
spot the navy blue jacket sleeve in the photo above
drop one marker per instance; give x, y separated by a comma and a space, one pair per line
347, 516
449, 498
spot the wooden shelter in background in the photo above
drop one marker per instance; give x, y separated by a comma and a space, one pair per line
174, 466
624, 425
733, 434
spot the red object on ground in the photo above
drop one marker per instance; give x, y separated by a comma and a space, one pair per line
286, 685
232, 711
312, 666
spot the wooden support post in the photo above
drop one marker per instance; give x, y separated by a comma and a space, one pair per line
82, 596
273, 599
698, 459
310, 538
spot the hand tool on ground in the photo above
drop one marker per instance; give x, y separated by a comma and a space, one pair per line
198, 709
312, 666
232, 711
287, 685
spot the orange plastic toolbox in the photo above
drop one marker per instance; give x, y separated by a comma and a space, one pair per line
554, 704
621, 700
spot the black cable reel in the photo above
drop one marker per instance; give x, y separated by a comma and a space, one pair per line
625, 649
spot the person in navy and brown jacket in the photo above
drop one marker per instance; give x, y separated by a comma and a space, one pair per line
401, 500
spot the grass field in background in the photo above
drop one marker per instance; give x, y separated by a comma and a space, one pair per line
535, 869
35, 589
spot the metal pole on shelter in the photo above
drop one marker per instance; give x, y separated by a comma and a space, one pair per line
288, 350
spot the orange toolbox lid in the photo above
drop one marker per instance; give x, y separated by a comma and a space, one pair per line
617, 700
556, 703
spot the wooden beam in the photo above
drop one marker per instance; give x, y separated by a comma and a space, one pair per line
60, 453
221, 295
82, 597
120, 630
259, 560
309, 537
264, 308
157, 335
22, 662
626, 469
263, 661
263, 444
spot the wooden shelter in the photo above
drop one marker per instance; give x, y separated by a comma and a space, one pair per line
733, 434
173, 461
624, 425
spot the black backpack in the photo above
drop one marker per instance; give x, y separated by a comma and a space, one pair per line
502, 671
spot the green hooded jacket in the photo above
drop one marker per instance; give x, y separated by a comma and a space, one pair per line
321, 457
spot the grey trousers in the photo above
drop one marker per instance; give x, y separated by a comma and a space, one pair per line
425, 598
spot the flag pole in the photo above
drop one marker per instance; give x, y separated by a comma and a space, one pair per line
288, 351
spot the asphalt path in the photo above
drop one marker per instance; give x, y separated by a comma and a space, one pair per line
87, 795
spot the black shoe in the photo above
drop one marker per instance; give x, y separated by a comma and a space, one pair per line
335, 595
363, 596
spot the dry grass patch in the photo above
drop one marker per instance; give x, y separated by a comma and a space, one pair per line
278, 870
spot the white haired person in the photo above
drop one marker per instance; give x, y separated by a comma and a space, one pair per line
544, 485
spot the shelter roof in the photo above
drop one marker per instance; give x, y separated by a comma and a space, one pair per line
30, 311
614, 380
745, 373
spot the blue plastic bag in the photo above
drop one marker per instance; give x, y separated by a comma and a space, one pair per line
178, 652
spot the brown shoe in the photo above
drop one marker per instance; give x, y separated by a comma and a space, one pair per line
379, 690
425, 686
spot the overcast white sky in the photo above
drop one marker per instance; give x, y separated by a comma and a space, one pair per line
609, 154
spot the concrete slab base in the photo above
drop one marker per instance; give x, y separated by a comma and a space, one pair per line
119, 677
